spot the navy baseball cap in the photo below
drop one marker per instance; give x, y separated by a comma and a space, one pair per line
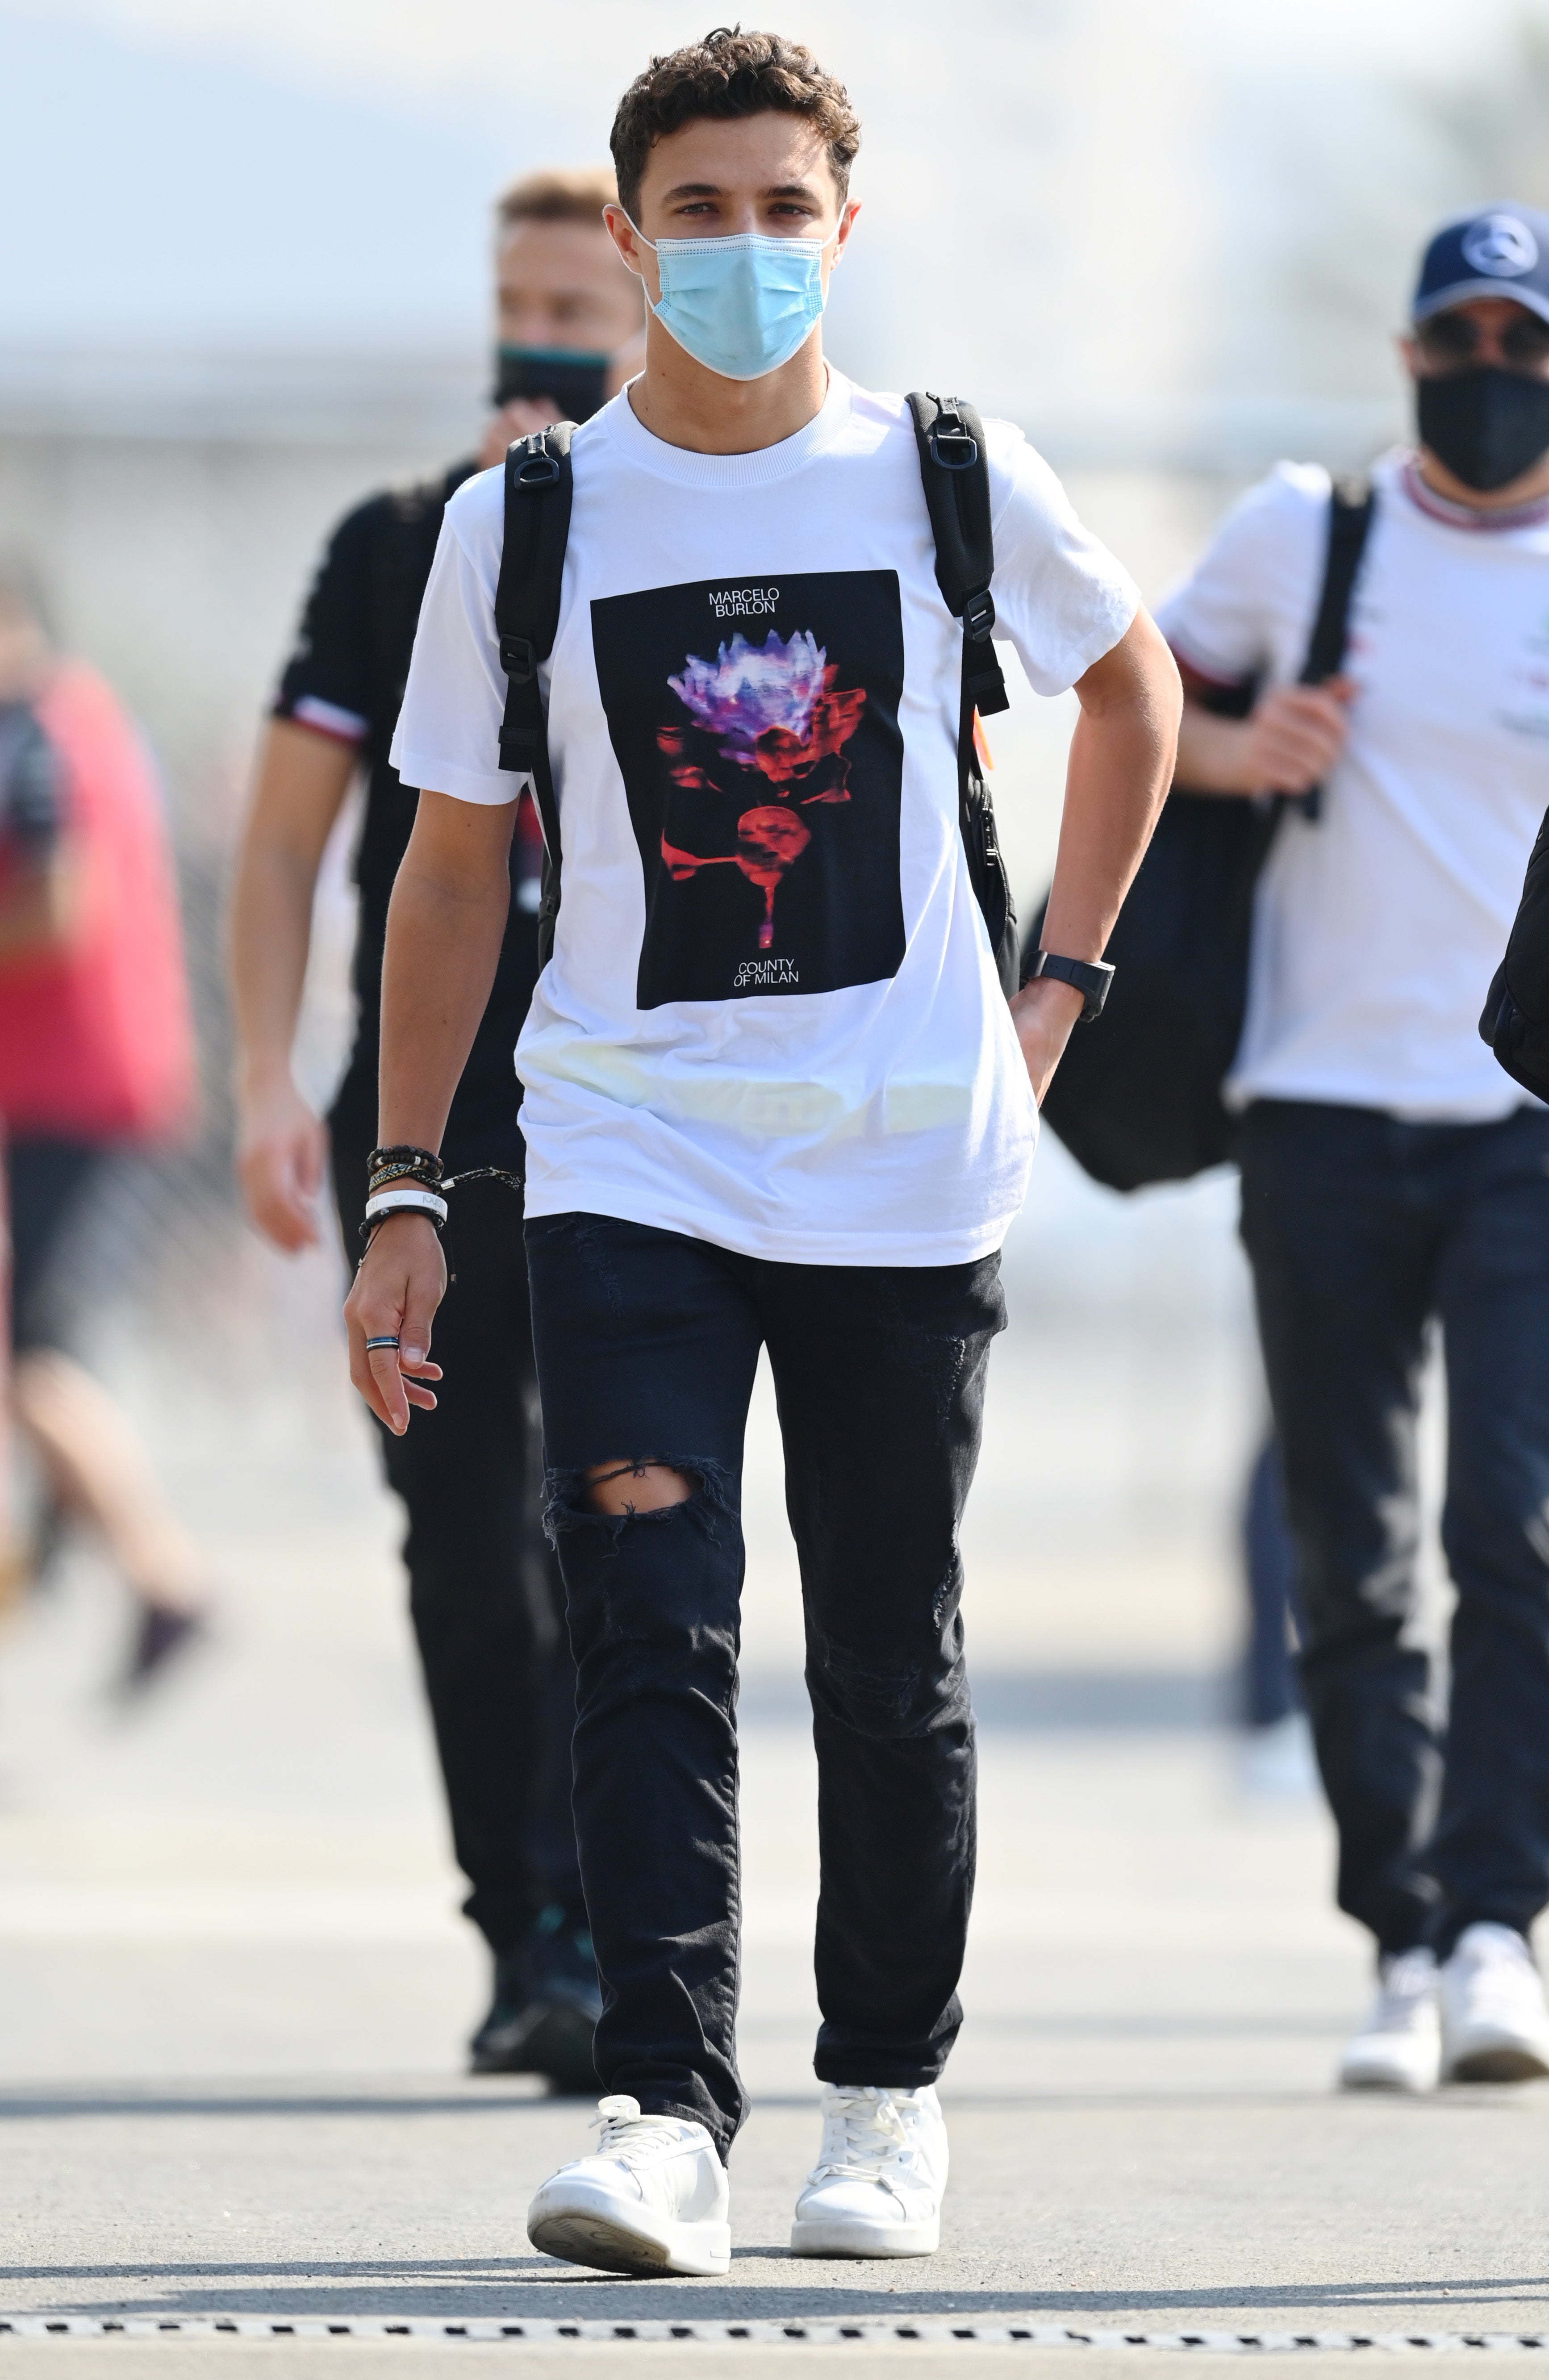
1496, 252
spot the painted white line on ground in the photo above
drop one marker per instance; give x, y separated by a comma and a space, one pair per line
818, 2330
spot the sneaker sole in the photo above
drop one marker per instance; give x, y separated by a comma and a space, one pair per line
837, 2238
1373, 2077
596, 2234
1507, 2062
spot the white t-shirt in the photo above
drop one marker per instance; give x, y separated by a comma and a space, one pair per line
771, 1019
1379, 925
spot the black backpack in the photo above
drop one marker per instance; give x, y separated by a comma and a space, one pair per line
956, 477
1136, 1097
1516, 1018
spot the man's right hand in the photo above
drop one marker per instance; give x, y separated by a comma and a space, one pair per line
281, 1148
1293, 735
401, 1281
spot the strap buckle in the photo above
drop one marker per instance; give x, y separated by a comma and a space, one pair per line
950, 444
978, 611
537, 468
519, 658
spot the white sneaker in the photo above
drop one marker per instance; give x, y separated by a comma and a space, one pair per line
877, 2188
1400, 2047
1494, 2026
651, 2198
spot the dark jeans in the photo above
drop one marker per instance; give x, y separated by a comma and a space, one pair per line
485, 1594
47, 1181
647, 1343
1360, 1228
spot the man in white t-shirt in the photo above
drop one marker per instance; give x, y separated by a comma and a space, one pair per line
774, 1098
1392, 1176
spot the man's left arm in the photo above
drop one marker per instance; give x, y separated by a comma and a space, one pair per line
1121, 763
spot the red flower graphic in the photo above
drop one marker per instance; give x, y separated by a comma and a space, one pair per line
776, 710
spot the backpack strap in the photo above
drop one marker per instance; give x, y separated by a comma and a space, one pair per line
1352, 504
537, 496
1350, 508
955, 476
950, 438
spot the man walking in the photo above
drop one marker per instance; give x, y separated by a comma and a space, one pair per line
486, 1599
774, 1097
1392, 1175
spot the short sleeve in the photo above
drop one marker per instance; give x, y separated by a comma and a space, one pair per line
1061, 598
327, 681
1242, 611
448, 734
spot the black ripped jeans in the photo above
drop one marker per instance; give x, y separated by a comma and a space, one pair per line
647, 1343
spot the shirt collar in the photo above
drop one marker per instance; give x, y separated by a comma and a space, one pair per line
725, 473
1455, 515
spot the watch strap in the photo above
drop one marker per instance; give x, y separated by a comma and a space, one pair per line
1091, 978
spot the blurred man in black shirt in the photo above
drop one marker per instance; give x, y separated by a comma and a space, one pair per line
485, 1592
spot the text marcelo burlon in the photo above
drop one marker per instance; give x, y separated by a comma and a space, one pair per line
742, 602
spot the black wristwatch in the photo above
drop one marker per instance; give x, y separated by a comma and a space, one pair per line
1091, 978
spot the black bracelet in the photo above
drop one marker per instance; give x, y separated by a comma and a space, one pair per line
402, 1163
403, 1152
420, 1169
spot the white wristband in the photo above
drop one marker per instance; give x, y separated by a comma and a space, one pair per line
389, 1202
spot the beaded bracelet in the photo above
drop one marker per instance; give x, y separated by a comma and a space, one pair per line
404, 1178
402, 1164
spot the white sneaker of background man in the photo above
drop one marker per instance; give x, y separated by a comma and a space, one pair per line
1400, 2047
1494, 2026
650, 2198
881, 2172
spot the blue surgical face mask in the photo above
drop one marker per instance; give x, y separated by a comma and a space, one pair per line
740, 306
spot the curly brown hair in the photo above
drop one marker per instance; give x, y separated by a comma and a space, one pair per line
730, 73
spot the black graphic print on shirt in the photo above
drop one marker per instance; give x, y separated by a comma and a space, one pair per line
756, 725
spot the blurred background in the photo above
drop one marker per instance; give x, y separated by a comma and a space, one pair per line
244, 272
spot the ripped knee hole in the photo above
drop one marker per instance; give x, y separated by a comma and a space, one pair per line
619, 1489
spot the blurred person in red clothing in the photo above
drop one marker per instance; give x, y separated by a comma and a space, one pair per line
96, 1053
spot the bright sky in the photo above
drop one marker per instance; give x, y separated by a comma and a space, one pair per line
316, 173
348, 42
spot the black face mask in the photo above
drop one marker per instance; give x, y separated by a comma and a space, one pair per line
1488, 426
574, 379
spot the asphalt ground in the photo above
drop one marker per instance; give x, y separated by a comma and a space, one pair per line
1143, 2136
236, 1989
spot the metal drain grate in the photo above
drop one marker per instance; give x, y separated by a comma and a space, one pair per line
819, 2330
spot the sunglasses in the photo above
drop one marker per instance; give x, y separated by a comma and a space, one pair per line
1449, 340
